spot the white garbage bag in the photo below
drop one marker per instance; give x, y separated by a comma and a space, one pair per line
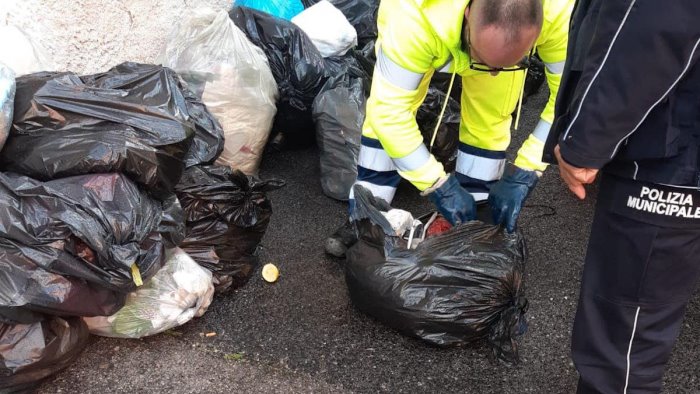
328, 29
20, 53
232, 77
7, 100
180, 291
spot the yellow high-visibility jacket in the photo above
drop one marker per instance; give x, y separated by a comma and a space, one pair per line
418, 37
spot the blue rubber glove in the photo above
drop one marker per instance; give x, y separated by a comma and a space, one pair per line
508, 195
452, 201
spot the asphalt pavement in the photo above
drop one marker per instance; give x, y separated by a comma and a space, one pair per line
302, 334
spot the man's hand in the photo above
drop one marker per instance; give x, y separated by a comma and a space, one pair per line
454, 203
575, 177
507, 196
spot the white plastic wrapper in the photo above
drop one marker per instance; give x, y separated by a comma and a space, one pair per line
327, 28
180, 291
20, 53
232, 77
7, 100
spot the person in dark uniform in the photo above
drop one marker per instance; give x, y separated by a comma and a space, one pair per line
629, 107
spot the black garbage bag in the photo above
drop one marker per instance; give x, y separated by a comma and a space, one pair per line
535, 77
362, 15
339, 112
298, 68
208, 141
366, 57
132, 119
68, 245
447, 140
452, 289
227, 214
32, 352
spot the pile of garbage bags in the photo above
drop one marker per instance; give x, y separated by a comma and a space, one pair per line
91, 177
452, 289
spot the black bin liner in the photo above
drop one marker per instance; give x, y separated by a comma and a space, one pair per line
447, 140
68, 246
534, 78
298, 68
227, 214
339, 112
136, 119
32, 352
458, 287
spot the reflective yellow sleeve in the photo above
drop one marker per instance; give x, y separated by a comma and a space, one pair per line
530, 155
405, 53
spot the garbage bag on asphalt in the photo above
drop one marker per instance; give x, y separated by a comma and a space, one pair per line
362, 15
180, 291
447, 140
339, 112
233, 79
327, 28
227, 214
32, 352
68, 245
22, 54
285, 9
297, 66
7, 101
452, 289
133, 119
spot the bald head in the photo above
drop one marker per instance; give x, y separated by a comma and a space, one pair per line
501, 32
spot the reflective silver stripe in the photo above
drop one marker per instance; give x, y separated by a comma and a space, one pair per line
385, 192
541, 131
375, 159
414, 160
595, 76
446, 67
396, 74
480, 196
629, 350
555, 68
481, 168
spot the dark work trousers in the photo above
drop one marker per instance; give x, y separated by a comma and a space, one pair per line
641, 269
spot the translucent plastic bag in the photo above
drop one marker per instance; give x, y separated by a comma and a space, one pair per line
285, 9
20, 53
232, 77
7, 101
327, 28
180, 291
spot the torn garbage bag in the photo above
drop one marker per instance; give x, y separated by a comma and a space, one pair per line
32, 352
297, 66
180, 291
133, 119
339, 111
84, 235
227, 214
451, 289
232, 77
7, 101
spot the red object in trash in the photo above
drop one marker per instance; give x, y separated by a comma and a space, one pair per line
438, 226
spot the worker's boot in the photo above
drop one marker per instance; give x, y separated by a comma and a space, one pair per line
342, 239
